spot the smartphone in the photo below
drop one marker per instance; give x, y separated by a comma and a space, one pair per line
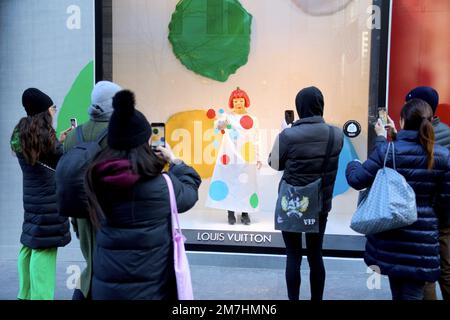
158, 138
289, 116
382, 114
73, 123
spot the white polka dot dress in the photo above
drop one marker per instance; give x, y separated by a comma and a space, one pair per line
233, 184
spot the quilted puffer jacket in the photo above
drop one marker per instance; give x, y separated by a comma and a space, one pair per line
410, 252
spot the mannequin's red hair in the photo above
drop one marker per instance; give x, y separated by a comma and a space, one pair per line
238, 94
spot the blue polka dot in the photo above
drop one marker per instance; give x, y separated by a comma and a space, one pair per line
234, 134
221, 111
216, 144
218, 190
216, 131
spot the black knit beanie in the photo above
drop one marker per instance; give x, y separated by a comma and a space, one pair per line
35, 101
128, 128
309, 102
427, 94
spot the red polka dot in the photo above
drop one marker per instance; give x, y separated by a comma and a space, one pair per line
223, 131
211, 114
225, 159
247, 122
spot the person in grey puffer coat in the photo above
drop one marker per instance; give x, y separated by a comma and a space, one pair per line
442, 137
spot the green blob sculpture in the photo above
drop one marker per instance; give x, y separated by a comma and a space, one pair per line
211, 37
77, 100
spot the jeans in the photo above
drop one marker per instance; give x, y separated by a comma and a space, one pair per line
406, 289
314, 241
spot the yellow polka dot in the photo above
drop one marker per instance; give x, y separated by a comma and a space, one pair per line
248, 152
191, 136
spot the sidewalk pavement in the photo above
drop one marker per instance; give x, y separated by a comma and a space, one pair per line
219, 276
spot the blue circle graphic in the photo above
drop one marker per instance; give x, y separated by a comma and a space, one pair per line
218, 190
234, 134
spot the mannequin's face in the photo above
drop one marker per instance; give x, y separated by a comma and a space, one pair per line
239, 106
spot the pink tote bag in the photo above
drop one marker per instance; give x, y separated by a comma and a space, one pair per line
181, 263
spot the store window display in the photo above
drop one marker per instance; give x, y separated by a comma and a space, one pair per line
283, 54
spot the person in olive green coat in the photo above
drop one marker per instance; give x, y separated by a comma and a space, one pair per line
100, 112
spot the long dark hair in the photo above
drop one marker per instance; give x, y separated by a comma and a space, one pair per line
144, 162
37, 136
418, 116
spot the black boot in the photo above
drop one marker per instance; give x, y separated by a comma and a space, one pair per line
245, 219
231, 218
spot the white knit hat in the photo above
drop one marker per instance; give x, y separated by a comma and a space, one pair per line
101, 99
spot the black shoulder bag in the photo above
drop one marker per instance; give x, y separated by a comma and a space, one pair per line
298, 207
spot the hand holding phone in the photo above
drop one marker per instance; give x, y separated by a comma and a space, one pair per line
380, 130
63, 135
390, 128
165, 153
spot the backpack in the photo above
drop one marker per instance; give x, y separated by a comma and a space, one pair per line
70, 174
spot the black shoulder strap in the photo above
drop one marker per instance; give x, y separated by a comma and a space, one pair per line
79, 134
102, 135
328, 153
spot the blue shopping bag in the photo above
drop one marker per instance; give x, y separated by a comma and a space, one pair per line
390, 202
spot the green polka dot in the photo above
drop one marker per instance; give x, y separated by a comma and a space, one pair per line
229, 126
254, 201
211, 37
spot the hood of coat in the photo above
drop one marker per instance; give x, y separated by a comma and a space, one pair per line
116, 173
309, 103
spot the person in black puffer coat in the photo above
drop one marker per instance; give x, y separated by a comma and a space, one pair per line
44, 230
409, 256
300, 152
130, 207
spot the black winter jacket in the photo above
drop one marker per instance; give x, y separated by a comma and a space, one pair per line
300, 152
133, 257
43, 227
